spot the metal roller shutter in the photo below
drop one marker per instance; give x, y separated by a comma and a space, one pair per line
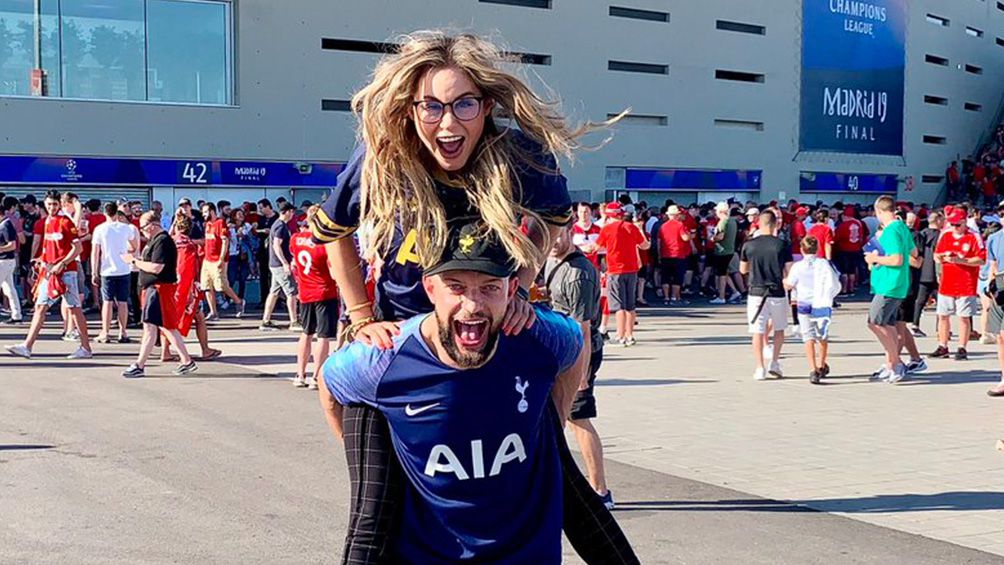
86, 193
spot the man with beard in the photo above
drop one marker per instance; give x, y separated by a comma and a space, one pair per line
466, 407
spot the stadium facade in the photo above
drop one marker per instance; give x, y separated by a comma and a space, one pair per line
762, 99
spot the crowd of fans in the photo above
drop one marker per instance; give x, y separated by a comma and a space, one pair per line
106, 257
674, 254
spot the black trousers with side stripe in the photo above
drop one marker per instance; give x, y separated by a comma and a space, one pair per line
377, 487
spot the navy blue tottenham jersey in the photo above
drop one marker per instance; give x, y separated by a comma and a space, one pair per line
399, 289
477, 446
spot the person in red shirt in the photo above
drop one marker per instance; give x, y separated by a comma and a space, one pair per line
674, 253
960, 252
319, 302
823, 233
848, 241
214, 267
690, 219
798, 231
585, 233
93, 218
60, 248
622, 241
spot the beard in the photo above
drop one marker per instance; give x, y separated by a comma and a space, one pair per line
463, 357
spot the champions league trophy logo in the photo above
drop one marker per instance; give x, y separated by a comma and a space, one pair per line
521, 387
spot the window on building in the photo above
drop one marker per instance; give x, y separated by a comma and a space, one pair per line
17, 46
739, 27
1000, 6
938, 20
629, 67
974, 32
356, 46
935, 140
636, 14
973, 107
974, 69
641, 120
189, 52
936, 100
936, 60
1000, 41
103, 49
545, 4
132, 50
739, 76
932, 179
739, 124
329, 105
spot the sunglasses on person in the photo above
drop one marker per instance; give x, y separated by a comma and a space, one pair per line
465, 109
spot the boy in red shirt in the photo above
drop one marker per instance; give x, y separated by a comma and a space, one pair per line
319, 302
823, 233
848, 242
60, 248
674, 251
622, 241
960, 252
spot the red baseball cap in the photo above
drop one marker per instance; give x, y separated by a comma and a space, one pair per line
955, 216
614, 209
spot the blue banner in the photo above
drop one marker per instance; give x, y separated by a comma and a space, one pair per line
164, 172
848, 182
692, 179
853, 71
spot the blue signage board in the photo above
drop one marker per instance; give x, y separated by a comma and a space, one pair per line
692, 179
170, 172
853, 71
848, 182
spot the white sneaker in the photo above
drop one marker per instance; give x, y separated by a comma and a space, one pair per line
80, 353
760, 374
299, 382
718, 301
20, 350
736, 297
897, 374
630, 341
775, 369
987, 339
311, 383
882, 374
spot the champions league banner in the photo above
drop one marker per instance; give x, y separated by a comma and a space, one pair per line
853, 69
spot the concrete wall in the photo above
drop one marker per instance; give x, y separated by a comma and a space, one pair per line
283, 74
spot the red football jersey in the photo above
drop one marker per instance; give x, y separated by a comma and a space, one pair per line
959, 280
60, 234
216, 230
310, 268
581, 236
823, 235
850, 236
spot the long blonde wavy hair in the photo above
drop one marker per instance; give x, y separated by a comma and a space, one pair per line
396, 181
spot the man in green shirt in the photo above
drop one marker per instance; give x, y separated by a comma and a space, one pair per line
725, 250
890, 282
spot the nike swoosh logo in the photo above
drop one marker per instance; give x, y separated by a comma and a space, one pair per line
409, 411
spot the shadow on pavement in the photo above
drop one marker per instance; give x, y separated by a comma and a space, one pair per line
955, 500
934, 378
24, 447
736, 505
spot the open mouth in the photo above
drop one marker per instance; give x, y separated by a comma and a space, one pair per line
450, 146
471, 334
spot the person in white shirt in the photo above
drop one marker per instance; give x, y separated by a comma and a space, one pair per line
111, 240
816, 284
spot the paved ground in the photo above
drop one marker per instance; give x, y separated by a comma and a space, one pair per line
234, 465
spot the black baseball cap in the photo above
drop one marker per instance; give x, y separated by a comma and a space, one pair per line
471, 247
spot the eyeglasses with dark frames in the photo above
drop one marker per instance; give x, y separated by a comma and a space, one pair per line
465, 109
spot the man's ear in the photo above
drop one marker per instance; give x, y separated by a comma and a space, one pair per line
429, 285
513, 285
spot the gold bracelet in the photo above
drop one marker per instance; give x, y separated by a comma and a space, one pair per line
359, 307
354, 327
